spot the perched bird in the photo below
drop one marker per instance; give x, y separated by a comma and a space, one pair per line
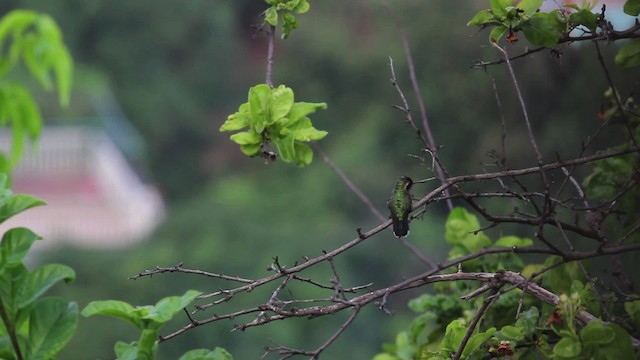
400, 204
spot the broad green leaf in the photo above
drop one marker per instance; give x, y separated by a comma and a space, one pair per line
527, 321
543, 29
250, 149
560, 278
238, 120
148, 344
289, 23
497, 33
476, 341
206, 354
63, 69
126, 351
166, 308
15, 245
246, 138
113, 308
453, 336
585, 18
286, 148
310, 133
588, 297
620, 347
37, 282
597, 333
529, 6
633, 309
280, 103
482, 17
498, 7
302, 7
629, 54
632, 7
52, 324
17, 204
259, 106
301, 109
462, 228
271, 16
511, 241
567, 347
304, 154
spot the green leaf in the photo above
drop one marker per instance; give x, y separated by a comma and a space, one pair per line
238, 120
629, 54
497, 32
543, 29
206, 354
511, 241
567, 347
560, 278
250, 149
585, 18
310, 133
15, 245
166, 308
476, 341
52, 324
527, 321
271, 16
286, 149
510, 332
114, 308
498, 7
462, 228
304, 154
280, 103
37, 282
246, 138
17, 204
259, 106
453, 336
633, 309
597, 333
302, 7
300, 110
632, 7
529, 6
482, 17
620, 347
289, 23
126, 351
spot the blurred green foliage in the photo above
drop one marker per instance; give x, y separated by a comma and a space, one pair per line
178, 68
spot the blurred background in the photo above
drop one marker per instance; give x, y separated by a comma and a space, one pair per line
138, 176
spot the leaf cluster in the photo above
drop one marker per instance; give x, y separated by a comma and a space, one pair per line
549, 28
271, 115
285, 10
149, 319
36, 40
33, 326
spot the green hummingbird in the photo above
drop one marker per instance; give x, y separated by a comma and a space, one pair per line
400, 204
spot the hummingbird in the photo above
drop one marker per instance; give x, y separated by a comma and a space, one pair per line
400, 204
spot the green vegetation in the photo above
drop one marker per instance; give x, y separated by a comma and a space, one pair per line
533, 265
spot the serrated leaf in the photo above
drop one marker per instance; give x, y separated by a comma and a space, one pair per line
52, 324
37, 282
629, 54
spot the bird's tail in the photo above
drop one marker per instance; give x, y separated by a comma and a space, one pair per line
400, 227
